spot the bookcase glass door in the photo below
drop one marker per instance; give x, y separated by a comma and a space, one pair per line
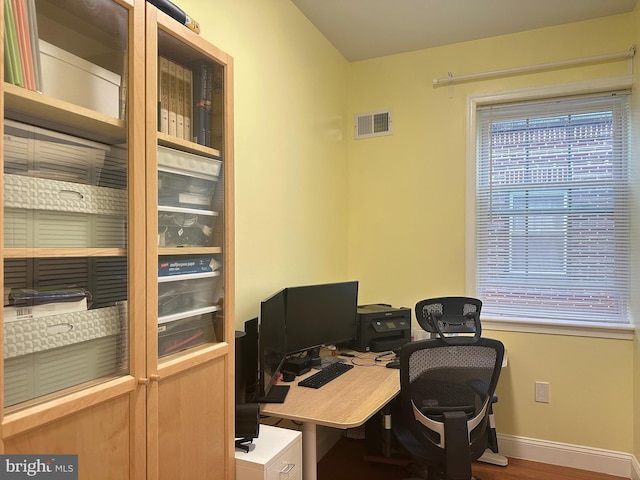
65, 184
190, 201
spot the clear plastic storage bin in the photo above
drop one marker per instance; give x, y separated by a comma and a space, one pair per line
185, 228
184, 295
185, 333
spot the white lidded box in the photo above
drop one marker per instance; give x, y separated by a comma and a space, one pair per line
73, 79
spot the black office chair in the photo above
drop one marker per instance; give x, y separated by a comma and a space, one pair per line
446, 387
456, 315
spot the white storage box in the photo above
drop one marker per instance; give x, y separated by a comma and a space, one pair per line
50, 213
43, 194
43, 229
75, 80
23, 337
36, 374
44, 355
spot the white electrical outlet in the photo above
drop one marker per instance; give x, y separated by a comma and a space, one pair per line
542, 392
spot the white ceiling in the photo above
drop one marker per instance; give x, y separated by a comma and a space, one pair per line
362, 29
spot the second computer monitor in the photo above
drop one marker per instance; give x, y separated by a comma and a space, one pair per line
318, 315
272, 348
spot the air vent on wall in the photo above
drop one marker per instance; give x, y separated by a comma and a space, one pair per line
372, 124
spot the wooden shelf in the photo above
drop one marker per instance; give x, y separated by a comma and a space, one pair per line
184, 145
48, 112
63, 252
189, 251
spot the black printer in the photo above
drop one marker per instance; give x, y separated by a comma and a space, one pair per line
381, 327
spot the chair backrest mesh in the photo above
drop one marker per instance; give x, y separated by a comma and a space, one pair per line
451, 376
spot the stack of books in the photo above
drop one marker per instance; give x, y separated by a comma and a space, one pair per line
30, 303
185, 97
22, 54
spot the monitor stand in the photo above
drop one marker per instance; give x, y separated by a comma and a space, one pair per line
326, 361
277, 394
314, 355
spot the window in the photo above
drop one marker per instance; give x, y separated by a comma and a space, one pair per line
552, 211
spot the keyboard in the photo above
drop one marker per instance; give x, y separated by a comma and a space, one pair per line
324, 376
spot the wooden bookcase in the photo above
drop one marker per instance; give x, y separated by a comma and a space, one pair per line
192, 401
137, 380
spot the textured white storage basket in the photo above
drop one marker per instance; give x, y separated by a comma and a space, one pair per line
40, 229
23, 337
51, 213
33, 375
44, 194
44, 355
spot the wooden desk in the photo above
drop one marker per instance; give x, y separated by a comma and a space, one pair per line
346, 402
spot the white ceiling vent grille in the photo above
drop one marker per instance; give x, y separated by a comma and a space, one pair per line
372, 124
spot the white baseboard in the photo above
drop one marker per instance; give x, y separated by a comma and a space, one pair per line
575, 456
635, 469
610, 462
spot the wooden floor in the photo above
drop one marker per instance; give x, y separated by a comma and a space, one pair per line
347, 461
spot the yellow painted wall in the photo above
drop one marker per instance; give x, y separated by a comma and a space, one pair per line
407, 218
591, 393
313, 205
290, 152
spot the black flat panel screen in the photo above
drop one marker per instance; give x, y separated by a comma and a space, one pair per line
319, 315
250, 364
272, 341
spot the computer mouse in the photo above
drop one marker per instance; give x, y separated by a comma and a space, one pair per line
393, 364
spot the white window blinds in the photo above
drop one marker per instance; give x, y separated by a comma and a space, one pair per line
552, 210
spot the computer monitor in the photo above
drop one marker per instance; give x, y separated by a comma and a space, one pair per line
272, 348
248, 371
318, 315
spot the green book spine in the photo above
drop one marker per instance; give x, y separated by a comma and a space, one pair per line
13, 49
9, 75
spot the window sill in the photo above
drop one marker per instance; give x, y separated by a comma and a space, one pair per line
598, 330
